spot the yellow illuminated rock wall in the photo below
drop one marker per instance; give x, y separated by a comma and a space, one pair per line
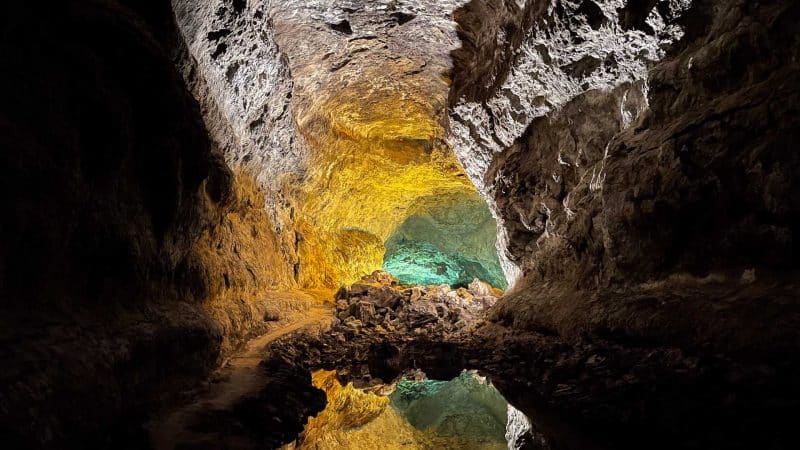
377, 156
242, 268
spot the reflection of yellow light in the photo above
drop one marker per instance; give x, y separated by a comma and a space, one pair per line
356, 420
377, 151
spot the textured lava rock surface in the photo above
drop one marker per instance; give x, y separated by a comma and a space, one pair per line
633, 177
133, 259
651, 209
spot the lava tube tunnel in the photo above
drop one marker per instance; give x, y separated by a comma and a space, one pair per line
400, 224
386, 192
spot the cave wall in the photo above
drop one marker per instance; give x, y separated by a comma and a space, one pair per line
106, 173
650, 218
527, 61
230, 62
236, 71
632, 147
132, 255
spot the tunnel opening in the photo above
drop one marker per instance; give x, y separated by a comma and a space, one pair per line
448, 239
384, 191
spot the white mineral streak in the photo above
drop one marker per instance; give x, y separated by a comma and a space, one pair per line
517, 428
540, 83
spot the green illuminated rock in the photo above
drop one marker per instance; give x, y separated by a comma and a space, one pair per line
451, 243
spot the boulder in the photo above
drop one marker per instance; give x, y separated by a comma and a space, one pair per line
416, 293
382, 278
385, 297
359, 288
352, 322
418, 314
479, 288
465, 294
364, 311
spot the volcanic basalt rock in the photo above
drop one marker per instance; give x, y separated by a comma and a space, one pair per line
377, 302
558, 167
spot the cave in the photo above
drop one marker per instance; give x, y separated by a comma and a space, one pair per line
375, 224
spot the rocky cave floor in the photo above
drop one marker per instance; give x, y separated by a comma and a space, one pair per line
626, 393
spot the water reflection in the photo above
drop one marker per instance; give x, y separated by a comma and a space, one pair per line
464, 413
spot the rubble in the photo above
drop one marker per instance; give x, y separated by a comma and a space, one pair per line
378, 302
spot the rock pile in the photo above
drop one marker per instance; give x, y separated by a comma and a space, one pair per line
378, 303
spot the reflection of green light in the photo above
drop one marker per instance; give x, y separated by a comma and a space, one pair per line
452, 243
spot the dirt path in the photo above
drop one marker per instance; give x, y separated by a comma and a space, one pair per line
239, 377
